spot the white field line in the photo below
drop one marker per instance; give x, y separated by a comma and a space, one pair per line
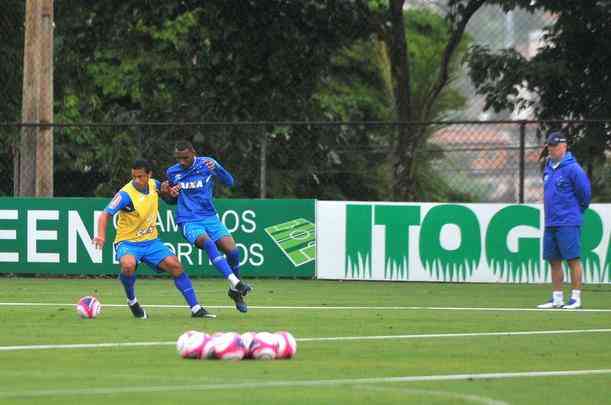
313, 307
317, 339
433, 393
298, 383
455, 335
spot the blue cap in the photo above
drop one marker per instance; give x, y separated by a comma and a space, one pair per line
554, 138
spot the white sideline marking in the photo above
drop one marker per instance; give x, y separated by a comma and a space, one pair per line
46, 304
83, 346
451, 335
297, 383
435, 393
316, 339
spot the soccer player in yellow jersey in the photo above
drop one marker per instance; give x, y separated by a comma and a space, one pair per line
136, 205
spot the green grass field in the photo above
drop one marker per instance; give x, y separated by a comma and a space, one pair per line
342, 371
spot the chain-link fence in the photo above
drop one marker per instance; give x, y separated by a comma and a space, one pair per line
491, 161
456, 161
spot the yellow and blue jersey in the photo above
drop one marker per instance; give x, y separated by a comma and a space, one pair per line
137, 212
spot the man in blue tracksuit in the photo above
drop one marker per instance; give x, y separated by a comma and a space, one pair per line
566, 196
191, 184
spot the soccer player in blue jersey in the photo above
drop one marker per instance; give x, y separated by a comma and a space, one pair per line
191, 182
136, 205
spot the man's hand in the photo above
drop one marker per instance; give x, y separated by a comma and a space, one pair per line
166, 190
98, 242
164, 187
210, 164
174, 191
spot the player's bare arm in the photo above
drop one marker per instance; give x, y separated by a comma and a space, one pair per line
174, 191
167, 193
100, 238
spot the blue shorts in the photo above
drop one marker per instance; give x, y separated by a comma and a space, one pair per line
151, 252
210, 226
562, 242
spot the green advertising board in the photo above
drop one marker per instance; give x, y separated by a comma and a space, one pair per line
394, 241
276, 238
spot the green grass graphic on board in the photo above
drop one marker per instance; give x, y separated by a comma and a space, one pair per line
358, 241
296, 239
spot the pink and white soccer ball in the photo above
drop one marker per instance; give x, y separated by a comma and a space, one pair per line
247, 339
191, 343
88, 307
227, 346
264, 346
208, 348
287, 346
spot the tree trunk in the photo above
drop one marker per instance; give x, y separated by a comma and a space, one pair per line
44, 150
411, 138
399, 59
25, 177
33, 174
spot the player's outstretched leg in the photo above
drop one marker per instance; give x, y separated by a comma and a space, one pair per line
238, 298
233, 258
128, 279
184, 285
237, 288
241, 289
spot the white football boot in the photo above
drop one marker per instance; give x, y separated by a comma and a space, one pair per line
572, 304
551, 304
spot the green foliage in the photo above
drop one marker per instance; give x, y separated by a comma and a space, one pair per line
12, 14
601, 186
11, 71
567, 79
359, 88
237, 60
428, 35
194, 61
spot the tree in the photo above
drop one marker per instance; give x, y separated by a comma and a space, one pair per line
568, 78
188, 61
388, 22
360, 88
245, 60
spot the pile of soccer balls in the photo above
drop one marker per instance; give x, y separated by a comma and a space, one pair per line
233, 346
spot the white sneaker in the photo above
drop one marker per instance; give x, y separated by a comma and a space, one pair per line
551, 305
572, 304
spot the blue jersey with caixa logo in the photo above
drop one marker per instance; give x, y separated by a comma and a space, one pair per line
566, 192
196, 198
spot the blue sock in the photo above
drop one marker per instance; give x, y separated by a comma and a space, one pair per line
183, 283
128, 284
217, 259
233, 258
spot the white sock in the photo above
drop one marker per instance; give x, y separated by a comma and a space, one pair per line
576, 295
233, 280
132, 302
558, 297
195, 308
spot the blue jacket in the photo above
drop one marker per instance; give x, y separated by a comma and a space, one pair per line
196, 198
566, 192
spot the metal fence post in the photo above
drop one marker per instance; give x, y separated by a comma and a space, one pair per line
263, 164
522, 159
